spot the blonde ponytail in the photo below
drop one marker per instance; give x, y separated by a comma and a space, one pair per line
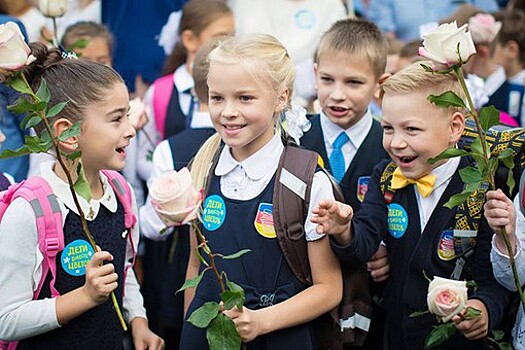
201, 164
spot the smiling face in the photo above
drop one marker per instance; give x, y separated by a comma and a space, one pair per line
243, 109
346, 84
106, 131
414, 130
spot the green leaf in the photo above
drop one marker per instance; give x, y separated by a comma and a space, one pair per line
439, 335
449, 153
505, 346
81, 186
73, 131
78, 44
497, 334
488, 117
74, 155
470, 175
202, 317
419, 313
222, 335
194, 282
234, 296
447, 99
472, 285
201, 258
19, 85
43, 92
235, 255
9, 153
508, 152
30, 121
21, 106
36, 144
472, 313
457, 199
56, 109
510, 179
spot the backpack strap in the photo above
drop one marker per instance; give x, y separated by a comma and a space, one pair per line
39, 194
291, 198
161, 98
521, 193
123, 192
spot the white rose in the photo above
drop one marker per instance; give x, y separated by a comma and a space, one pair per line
53, 8
14, 52
136, 110
441, 45
174, 197
446, 298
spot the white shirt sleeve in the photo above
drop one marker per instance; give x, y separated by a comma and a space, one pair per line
132, 302
321, 189
20, 316
151, 224
500, 262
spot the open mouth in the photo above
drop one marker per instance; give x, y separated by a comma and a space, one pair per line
234, 127
121, 150
339, 109
406, 160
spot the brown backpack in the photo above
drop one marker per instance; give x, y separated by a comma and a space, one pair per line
347, 324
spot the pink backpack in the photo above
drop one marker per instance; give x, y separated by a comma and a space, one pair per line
38, 193
161, 99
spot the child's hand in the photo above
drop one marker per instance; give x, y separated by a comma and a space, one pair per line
143, 337
333, 218
101, 280
500, 212
379, 265
246, 322
474, 328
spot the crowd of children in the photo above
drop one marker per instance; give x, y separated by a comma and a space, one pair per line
224, 107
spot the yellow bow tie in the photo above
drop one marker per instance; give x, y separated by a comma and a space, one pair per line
425, 184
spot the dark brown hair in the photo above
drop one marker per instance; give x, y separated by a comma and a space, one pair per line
80, 82
86, 30
197, 15
513, 29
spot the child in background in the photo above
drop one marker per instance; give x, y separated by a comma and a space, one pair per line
250, 82
5, 179
82, 317
416, 226
510, 54
97, 45
350, 65
174, 154
500, 211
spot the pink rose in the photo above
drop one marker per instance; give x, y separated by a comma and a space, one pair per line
14, 52
174, 197
446, 298
483, 28
441, 45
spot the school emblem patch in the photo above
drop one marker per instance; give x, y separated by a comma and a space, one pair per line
445, 248
264, 221
75, 257
362, 187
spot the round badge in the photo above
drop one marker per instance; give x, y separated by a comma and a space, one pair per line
214, 212
75, 257
397, 220
446, 249
304, 19
264, 221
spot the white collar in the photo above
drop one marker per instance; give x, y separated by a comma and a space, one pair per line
356, 133
518, 78
445, 171
494, 81
61, 190
201, 120
257, 165
182, 79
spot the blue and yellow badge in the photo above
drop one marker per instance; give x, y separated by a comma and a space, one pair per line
214, 212
264, 221
397, 220
362, 187
445, 248
75, 257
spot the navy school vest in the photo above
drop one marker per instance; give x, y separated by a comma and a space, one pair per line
509, 98
98, 328
229, 226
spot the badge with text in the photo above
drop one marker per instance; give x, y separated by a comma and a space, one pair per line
213, 213
446, 249
362, 187
264, 221
75, 257
397, 220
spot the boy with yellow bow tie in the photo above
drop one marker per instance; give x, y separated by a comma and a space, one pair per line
409, 215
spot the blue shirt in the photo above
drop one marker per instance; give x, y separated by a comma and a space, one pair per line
404, 17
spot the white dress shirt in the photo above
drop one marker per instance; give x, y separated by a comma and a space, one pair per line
21, 261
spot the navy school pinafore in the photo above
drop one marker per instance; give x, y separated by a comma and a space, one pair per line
263, 273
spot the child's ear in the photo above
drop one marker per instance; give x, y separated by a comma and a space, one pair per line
282, 100
457, 125
190, 41
71, 144
513, 48
381, 80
